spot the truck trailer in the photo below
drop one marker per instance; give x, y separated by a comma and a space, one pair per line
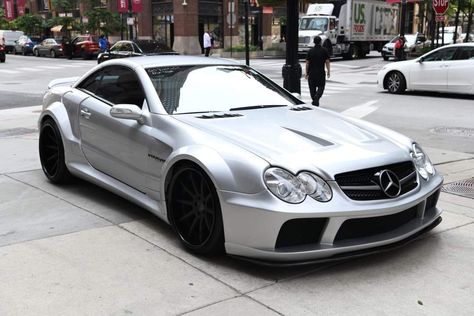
348, 28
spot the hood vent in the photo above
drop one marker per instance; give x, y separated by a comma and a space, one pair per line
301, 108
218, 115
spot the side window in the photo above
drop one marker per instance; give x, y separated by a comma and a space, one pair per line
465, 53
441, 55
116, 85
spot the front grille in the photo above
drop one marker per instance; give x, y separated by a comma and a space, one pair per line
304, 39
300, 231
370, 226
363, 185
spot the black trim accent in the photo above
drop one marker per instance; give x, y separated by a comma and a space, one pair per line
347, 255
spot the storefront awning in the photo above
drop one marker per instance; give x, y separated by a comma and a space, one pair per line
56, 28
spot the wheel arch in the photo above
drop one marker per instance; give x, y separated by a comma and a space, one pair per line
57, 112
225, 174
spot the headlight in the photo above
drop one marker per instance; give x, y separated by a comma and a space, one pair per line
422, 162
293, 189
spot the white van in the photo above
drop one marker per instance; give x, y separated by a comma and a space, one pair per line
9, 37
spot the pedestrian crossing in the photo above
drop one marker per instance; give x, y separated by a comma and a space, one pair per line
38, 68
332, 88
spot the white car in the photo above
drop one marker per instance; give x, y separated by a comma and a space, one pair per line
414, 45
446, 69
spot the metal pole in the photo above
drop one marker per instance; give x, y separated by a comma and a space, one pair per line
403, 17
247, 57
130, 15
292, 69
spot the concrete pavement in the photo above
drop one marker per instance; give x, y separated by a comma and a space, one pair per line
80, 250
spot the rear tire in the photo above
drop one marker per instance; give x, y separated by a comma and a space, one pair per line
36, 53
194, 210
51, 152
395, 82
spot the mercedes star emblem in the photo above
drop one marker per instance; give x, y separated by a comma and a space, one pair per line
389, 183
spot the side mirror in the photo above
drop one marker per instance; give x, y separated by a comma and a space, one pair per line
128, 112
420, 60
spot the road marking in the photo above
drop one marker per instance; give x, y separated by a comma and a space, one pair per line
29, 69
362, 110
49, 67
9, 71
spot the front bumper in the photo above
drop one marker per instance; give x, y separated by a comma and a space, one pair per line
252, 224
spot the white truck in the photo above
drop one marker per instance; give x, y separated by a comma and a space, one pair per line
348, 28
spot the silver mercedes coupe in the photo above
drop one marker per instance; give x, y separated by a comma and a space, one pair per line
235, 163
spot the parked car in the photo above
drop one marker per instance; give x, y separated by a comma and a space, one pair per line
9, 38
462, 37
258, 174
24, 45
136, 48
2, 52
85, 46
414, 45
446, 69
49, 47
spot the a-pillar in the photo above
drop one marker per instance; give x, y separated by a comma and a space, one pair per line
186, 39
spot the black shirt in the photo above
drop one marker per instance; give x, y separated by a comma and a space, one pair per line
317, 57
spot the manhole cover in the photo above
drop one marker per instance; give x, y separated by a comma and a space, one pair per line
463, 187
454, 131
17, 131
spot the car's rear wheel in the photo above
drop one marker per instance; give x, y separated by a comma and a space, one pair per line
395, 82
51, 152
53, 53
2, 58
36, 53
194, 210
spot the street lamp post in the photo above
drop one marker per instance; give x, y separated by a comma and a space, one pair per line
403, 17
292, 69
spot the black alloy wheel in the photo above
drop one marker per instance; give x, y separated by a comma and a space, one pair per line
395, 82
51, 152
194, 211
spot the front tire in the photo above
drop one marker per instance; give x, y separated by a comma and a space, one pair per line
395, 82
53, 54
51, 152
36, 53
194, 210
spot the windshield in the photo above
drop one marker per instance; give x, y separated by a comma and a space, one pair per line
316, 23
410, 39
211, 88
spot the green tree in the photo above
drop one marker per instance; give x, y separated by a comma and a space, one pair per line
101, 20
29, 23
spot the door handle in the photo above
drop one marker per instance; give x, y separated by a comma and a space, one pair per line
85, 113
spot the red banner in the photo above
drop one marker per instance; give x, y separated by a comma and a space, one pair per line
122, 6
9, 10
20, 6
137, 6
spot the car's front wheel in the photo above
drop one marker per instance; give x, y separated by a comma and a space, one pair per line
395, 82
51, 152
194, 210
53, 53
385, 57
36, 53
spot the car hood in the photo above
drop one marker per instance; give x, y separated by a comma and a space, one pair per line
318, 139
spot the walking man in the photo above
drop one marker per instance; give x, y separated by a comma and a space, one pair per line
206, 41
317, 58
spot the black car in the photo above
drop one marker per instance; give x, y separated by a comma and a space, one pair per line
24, 45
122, 49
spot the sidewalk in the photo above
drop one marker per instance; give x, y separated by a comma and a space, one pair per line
80, 250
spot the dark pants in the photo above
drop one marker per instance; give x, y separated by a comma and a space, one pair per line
400, 54
316, 89
206, 51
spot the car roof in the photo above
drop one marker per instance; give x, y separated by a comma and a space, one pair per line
172, 60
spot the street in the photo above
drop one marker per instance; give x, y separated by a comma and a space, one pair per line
80, 250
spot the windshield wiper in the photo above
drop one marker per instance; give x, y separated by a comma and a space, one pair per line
253, 107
